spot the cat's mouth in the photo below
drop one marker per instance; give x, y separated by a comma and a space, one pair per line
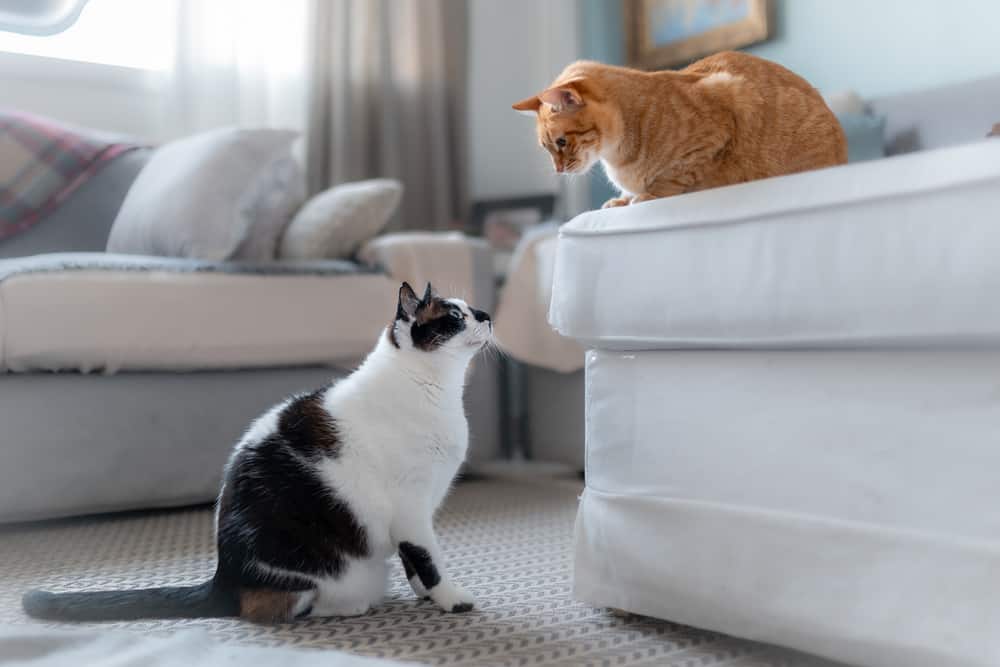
574, 167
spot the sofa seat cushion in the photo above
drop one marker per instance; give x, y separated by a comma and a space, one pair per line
902, 250
99, 312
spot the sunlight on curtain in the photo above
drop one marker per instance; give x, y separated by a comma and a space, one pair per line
240, 62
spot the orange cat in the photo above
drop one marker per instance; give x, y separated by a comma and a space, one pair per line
729, 118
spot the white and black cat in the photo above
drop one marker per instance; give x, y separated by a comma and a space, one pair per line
325, 487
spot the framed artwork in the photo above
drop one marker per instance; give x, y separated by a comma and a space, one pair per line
669, 33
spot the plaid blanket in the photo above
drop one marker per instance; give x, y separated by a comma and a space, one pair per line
41, 164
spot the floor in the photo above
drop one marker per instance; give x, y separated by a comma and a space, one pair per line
509, 542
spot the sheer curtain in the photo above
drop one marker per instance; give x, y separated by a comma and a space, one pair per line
239, 62
387, 86
376, 86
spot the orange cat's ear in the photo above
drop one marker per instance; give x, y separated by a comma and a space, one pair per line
564, 98
530, 105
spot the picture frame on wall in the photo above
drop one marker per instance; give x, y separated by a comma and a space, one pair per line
672, 33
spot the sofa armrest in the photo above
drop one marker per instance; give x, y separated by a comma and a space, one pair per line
456, 264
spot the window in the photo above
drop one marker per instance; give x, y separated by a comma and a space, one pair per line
127, 33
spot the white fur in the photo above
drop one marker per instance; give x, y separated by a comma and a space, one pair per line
403, 435
615, 179
719, 78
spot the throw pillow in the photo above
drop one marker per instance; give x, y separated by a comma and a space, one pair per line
334, 223
270, 204
191, 199
43, 163
865, 136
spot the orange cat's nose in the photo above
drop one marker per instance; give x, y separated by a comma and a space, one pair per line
560, 167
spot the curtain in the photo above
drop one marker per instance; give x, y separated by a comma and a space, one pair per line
239, 62
387, 86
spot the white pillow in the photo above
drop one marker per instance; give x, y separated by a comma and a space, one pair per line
270, 204
334, 223
195, 197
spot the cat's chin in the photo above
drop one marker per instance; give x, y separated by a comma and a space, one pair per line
575, 171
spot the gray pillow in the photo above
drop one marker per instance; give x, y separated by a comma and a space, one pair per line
197, 196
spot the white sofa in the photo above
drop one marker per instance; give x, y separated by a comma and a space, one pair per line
793, 408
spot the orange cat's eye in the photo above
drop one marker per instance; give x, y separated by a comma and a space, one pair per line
561, 142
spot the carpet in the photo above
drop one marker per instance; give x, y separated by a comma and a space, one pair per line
509, 542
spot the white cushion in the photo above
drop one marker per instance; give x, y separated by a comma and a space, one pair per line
838, 502
111, 319
897, 250
276, 195
197, 197
335, 223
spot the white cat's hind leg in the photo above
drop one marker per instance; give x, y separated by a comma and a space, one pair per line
362, 586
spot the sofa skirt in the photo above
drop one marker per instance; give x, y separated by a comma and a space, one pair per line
844, 503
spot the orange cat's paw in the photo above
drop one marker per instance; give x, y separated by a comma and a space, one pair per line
638, 199
616, 202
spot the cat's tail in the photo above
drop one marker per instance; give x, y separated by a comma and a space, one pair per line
199, 601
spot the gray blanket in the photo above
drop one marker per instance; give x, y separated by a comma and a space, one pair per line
99, 261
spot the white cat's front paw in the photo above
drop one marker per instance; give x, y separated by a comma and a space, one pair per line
452, 598
418, 588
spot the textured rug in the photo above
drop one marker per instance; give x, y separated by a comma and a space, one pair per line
509, 542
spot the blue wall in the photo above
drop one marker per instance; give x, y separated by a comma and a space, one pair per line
603, 39
883, 47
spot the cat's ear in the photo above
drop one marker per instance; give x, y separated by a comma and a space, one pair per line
406, 308
528, 106
562, 98
429, 295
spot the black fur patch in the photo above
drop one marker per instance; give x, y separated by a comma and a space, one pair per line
275, 508
435, 325
308, 428
407, 568
421, 563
